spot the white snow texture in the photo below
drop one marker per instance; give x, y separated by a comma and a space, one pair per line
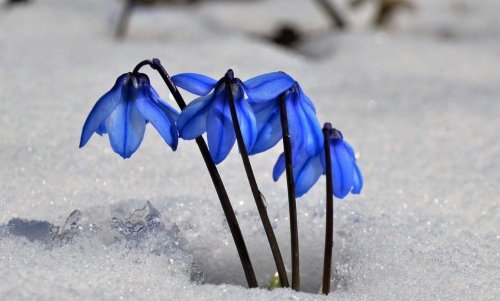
419, 102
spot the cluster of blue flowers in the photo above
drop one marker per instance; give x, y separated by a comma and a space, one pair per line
125, 110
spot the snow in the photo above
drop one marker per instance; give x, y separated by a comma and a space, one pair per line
418, 102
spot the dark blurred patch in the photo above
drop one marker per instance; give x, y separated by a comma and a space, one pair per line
287, 36
10, 3
33, 230
386, 10
130, 5
313, 44
333, 13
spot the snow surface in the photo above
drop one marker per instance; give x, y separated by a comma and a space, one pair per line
420, 103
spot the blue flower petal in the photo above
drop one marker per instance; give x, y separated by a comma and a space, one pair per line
307, 175
269, 130
358, 180
350, 150
267, 86
192, 120
342, 168
246, 120
104, 106
295, 129
126, 127
195, 83
306, 172
267, 116
165, 106
220, 131
148, 105
358, 177
263, 109
311, 129
101, 130
305, 100
279, 167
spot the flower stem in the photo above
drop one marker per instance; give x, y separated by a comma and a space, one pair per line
257, 195
214, 174
292, 206
124, 19
332, 12
327, 263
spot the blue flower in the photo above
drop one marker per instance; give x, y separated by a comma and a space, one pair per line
304, 128
211, 112
306, 171
346, 176
123, 112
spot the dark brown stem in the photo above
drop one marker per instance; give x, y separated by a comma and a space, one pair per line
216, 179
332, 12
292, 206
123, 21
327, 264
257, 195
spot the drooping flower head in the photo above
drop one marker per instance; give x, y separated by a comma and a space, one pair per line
123, 112
211, 112
304, 128
346, 175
